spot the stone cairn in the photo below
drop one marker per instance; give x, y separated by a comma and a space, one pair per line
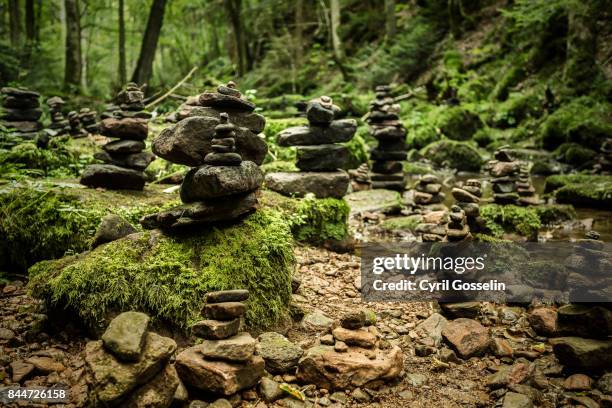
124, 157
360, 178
224, 188
88, 120
76, 127
428, 190
131, 364
354, 349
59, 123
468, 197
510, 179
21, 113
457, 228
319, 156
386, 127
224, 363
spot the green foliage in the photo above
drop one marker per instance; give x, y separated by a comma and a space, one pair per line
457, 123
575, 154
318, 220
555, 213
276, 166
168, 277
517, 108
581, 190
510, 78
407, 223
510, 218
450, 153
358, 152
422, 136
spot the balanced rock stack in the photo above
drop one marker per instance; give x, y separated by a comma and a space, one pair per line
59, 123
224, 188
20, 113
124, 157
130, 365
428, 190
385, 126
504, 171
357, 356
88, 120
457, 228
319, 156
468, 197
224, 363
524, 187
76, 127
360, 178
432, 227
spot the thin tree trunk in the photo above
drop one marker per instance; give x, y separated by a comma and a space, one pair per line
233, 9
15, 22
38, 19
390, 25
122, 62
299, 27
335, 23
74, 63
30, 21
144, 66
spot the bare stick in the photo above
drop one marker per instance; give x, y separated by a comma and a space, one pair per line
174, 88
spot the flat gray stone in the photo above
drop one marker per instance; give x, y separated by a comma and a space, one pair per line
125, 335
321, 184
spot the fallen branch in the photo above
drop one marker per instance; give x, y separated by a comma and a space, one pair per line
174, 88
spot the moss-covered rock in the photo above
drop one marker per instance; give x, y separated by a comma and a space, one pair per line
555, 213
421, 136
44, 221
55, 160
407, 223
168, 276
581, 190
458, 123
517, 108
575, 154
450, 153
510, 218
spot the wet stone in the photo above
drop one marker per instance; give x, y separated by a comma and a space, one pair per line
224, 311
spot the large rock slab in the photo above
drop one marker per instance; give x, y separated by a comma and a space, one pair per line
321, 184
19, 92
432, 328
236, 348
583, 354
218, 100
585, 321
124, 146
250, 120
332, 370
189, 141
468, 337
338, 131
278, 352
217, 376
124, 128
113, 177
384, 201
136, 161
24, 126
360, 338
125, 335
21, 115
113, 379
326, 157
157, 393
208, 182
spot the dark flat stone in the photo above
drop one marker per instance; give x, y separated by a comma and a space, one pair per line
322, 158
112, 177
235, 295
219, 100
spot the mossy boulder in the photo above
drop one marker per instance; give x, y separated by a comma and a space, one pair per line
511, 218
458, 123
581, 190
421, 136
555, 213
168, 277
575, 154
517, 108
407, 223
453, 154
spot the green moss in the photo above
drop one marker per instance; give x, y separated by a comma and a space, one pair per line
581, 190
449, 153
511, 77
458, 123
415, 168
42, 222
422, 136
555, 213
510, 218
517, 108
358, 152
401, 223
287, 166
575, 154
168, 277
275, 126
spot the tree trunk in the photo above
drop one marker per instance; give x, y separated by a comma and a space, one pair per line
335, 23
144, 66
233, 9
299, 23
390, 25
15, 22
122, 63
74, 63
38, 19
30, 21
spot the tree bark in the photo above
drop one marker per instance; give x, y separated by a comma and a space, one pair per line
390, 23
234, 8
335, 23
299, 28
144, 66
73, 66
15, 22
30, 21
122, 63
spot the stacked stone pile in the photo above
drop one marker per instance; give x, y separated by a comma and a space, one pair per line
457, 228
223, 188
604, 160
468, 196
428, 190
130, 365
59, 123
359, 358
432, 227
124, 157
20, 113
319, 156
510, 179
76, 127
224, 363
360, 178
88, 120
524, 187
385, 126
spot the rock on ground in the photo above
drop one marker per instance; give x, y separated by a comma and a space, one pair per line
280, 354
468, 337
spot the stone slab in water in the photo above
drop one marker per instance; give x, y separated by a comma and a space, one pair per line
125, 335
376, 154
189, 141
206, 182
215, 329
20, 115
20, 102
124, 146
250, 120
322, 158
337, 132
125, 128
137, 161
113, 177
218, 100
235, 295
201, 213
321, 184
